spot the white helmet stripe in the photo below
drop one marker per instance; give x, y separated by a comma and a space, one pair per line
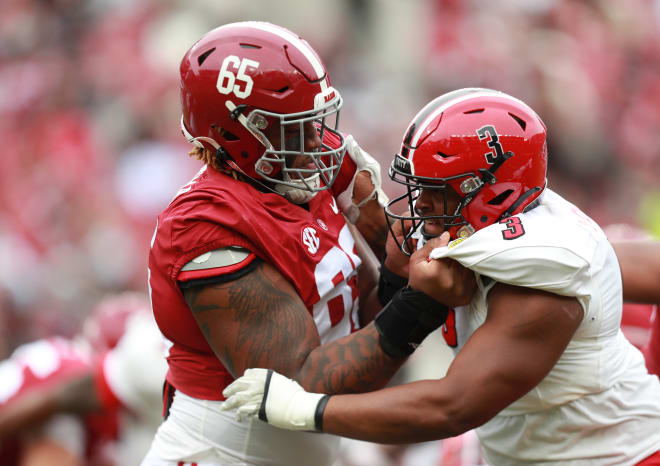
462, 98
295, 41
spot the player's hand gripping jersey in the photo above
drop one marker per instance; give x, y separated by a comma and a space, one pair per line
556, 248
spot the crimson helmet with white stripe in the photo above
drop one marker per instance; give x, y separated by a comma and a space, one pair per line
487, 146
239, 79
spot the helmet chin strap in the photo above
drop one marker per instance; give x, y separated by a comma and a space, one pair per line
299, 195
196, 140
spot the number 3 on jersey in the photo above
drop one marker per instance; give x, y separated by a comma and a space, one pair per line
514, 228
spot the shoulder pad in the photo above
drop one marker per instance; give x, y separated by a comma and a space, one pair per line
218, 258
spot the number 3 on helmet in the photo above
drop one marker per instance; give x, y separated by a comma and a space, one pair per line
487, 146
240, 79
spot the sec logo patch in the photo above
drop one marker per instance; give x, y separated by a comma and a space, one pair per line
310, 239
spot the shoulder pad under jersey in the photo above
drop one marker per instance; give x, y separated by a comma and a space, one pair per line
220, 261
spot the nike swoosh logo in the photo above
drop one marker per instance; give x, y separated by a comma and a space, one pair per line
334, 207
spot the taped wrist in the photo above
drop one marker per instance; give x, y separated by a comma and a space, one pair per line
388, 283
406, 320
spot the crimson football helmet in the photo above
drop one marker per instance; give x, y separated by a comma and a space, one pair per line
241, 78
487, 146
106, 323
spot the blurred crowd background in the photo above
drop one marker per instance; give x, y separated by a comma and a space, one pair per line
89, 115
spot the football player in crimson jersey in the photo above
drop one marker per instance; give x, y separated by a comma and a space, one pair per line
541, 368
87, 400
254, 262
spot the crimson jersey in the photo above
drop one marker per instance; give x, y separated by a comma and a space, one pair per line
311, 246
46, 364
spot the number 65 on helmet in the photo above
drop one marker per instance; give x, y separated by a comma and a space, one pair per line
240, 79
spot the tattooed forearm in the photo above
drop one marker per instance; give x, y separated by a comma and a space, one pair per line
259, 320
351, 364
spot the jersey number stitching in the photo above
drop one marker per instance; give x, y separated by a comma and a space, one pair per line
514, 228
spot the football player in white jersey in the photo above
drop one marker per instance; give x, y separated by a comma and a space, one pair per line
541, 368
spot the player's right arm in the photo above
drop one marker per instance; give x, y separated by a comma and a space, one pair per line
359, 194
258, 320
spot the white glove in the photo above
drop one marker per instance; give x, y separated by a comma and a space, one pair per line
277, 400
364, 162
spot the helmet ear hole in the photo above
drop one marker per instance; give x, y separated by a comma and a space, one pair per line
204, 56
223, 133
501, 197
520, 121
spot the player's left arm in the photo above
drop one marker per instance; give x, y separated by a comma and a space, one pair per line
640, 270
371, 223
360, 196
368, 274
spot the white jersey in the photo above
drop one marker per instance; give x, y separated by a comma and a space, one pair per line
598, 405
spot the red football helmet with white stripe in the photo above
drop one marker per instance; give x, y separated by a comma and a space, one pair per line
241, 78
487, 146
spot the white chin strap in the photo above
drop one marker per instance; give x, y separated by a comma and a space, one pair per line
299, 195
